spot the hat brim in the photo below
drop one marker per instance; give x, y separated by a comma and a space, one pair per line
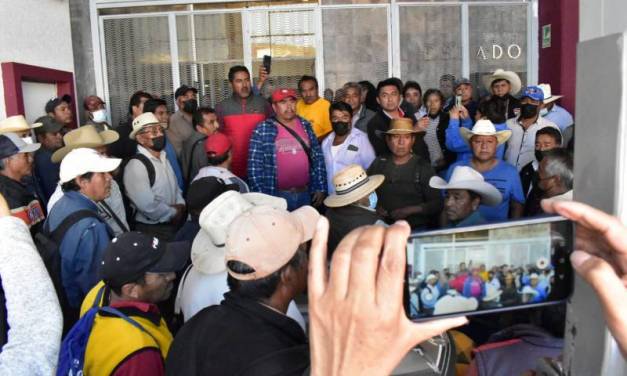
552, 99
207, 257
30, 148
107, 136
400, 131
135, 131
174, 258
511, 77
308, 217
16, 129
490, 195
501, 136
338, 200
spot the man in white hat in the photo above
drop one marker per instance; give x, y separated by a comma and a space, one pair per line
250, 327
353, 203
555, 113
429, 294
484, 140
85, 179
111, 209
150, 182
16, 162
17, 124
204, 282
465, 191
503, 85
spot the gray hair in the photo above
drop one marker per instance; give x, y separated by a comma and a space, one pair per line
559, 163
352, 85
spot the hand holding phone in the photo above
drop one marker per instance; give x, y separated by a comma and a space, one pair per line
267, 63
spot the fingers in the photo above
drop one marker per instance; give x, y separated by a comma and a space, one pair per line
392, 270
341, 263
419, 332
317, 276
4, 207
365, 262
610, 290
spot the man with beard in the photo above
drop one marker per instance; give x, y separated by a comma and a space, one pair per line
345, 145
150, 182
180, 127
285, 159
521, 145
239, 114
138, 271
503, 85
51, 139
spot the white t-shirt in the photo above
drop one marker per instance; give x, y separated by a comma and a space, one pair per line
198, 291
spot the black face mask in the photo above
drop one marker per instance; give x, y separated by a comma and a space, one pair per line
190, 106
340, 128
158, 143
528, 111
539, 155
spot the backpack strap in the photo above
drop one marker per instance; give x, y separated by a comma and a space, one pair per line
118, 313
106, 208
191, 158
149, 167
98, 298
58, 233
302, 142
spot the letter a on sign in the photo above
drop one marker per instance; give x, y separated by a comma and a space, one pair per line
481, 53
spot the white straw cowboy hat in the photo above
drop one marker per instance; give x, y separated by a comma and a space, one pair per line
500, 74
464, 177
401, 126
84, 137
16, 124
144, 120
485, 127
351, 185
208, 248
548, 95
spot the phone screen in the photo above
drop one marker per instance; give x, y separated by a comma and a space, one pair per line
267, 63
483, 269
458, 100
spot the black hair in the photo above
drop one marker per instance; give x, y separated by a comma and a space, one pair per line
389, 82
197, 117
474, 195
136, 99
152, 104
412, 85
430, 92
493, 110
217, 160
236, 69
371, 95
306, 78
72, 186
340, 106
118, 289
551, 132
263, 288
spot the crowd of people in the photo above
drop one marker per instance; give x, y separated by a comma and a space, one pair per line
178, 243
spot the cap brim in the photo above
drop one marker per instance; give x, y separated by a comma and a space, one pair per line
206, 257
339, 200
174, 259
261, 199
308, 217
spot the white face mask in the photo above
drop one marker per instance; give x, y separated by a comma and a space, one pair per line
99, 116
27, 139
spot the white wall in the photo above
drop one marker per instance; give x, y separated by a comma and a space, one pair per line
35, 32
598, 18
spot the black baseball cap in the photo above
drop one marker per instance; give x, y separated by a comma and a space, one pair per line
183, 90
131, 255
48, 125
204, 190
54, 102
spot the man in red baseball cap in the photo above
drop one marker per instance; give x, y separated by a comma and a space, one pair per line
285, 158
219, 155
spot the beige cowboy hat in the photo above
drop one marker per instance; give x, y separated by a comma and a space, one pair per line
84, 137
351, 185
464, 177
401, 126
500, 74
208, 248
548, 95
485, 127
144, 120
16, 124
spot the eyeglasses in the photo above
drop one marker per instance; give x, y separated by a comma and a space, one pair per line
153, 131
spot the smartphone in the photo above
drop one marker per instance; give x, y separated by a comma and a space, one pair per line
458, 100
489, 268
267, 63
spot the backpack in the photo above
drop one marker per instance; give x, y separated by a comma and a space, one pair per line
48, 245
150, 169
72, 352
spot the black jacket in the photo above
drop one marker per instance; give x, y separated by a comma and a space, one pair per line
381, 123
344, 220
238, 337
449, 156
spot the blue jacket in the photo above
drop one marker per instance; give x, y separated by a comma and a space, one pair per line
46, 172
455, 142
171, 155
82, 246
262, 160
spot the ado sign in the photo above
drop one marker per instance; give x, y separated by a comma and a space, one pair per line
513, 51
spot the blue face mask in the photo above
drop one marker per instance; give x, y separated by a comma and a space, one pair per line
373, 199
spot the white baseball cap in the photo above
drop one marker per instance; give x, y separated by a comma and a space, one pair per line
81, 161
